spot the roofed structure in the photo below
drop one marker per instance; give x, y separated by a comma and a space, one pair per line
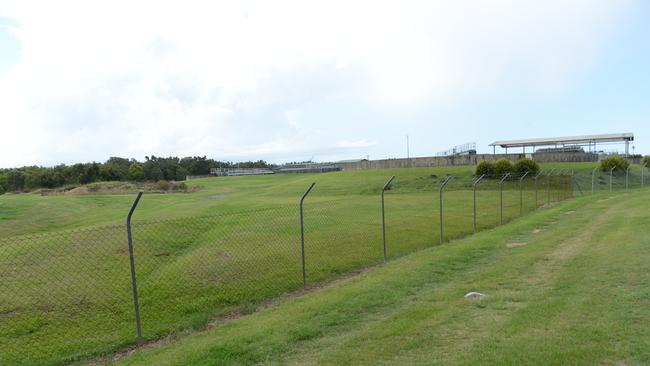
586, 140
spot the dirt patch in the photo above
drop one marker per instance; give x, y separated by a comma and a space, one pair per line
515, 244
536, 230
569, 212
216, 196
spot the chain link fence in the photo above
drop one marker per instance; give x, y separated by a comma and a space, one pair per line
73, 295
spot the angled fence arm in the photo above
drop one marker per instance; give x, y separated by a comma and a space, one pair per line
548, 187
442, 186
536, 186
383, 216
476, 182
302, 235
593, 174
521, 195
501, 197
134, 283
575, 181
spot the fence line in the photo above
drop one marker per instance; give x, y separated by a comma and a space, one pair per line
72, 293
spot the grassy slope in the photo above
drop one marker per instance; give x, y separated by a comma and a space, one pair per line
67, 296
575, 293
31, 213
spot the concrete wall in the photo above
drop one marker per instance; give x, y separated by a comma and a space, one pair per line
432, 161
429, 161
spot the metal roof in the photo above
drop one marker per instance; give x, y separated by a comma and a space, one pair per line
612, 137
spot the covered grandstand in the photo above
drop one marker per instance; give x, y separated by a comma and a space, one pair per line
589, 141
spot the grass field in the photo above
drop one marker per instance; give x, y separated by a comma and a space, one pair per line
567, 285
227, 247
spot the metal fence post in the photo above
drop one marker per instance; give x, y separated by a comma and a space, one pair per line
444, 183
501, 198
593, 174
560, 185
521, 196
134, 283
548, 187
383, 216
302, 235
536, 186
474, 189
611, 174
627, 174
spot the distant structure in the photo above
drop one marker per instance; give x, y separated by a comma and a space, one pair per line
464, 149
223, 172
571, 142
308, 167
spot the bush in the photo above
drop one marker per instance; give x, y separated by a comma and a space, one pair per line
485, 167
161, 185
502, 166
526, 165
614, 161
646, 161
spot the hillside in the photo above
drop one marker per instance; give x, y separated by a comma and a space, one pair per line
564, 286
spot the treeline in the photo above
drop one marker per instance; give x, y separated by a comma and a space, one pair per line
153, 169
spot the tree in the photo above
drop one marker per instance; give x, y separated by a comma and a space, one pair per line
485, 167
136, 172
526, 165
646, 161
617, 162
502, 167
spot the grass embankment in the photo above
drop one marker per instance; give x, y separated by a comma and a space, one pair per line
32, 213
67, 295
568, 285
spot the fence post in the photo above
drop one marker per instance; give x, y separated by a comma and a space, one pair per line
627, 173
536, 186
575, 181
134, 283
593, 174
474, 189
444, 183
501, 198
302, 235
560, 185
383, 216
521, 196
611, 174
548, 187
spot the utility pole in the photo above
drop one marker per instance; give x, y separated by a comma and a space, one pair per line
408, 152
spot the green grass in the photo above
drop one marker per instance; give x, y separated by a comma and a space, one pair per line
66, 295
567, 285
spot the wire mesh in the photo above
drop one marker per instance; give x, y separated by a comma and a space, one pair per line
67, 295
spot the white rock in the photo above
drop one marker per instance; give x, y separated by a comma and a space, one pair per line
474, 295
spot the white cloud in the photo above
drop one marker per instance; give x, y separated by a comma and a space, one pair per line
245, 79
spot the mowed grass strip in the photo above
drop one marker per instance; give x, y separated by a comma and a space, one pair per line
573, 290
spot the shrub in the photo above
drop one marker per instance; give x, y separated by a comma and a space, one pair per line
485, 167
161, 185
526, 165
502, 166
614, 161
646, 161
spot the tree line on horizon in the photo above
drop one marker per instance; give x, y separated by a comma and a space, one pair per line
153, 169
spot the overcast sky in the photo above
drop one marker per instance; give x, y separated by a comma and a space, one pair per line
329, 80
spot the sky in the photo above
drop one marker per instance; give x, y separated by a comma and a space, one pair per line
282, 81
